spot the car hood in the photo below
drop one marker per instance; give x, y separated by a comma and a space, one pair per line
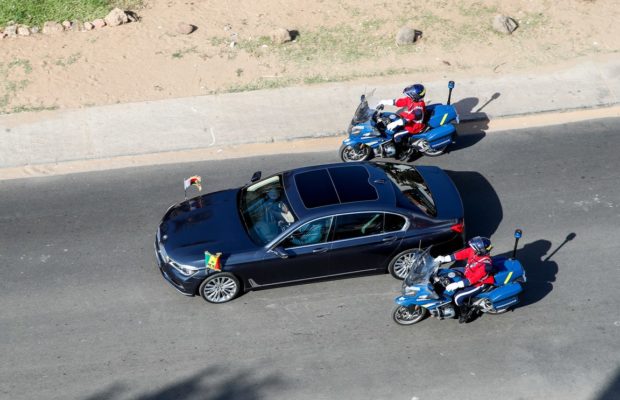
446, 196
206, 223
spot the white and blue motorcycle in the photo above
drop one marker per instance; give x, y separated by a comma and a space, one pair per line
369, 136
424, 289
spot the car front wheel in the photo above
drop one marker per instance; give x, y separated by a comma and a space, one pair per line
220, 288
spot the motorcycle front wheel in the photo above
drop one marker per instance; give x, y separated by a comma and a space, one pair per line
408, 315
349, 153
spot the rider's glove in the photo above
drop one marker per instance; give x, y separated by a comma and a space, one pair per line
455, 285
388, 102
443, 259
393, 125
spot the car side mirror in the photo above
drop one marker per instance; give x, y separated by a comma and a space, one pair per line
256, 176
279, 251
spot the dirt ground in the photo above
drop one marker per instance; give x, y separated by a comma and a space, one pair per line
338, 40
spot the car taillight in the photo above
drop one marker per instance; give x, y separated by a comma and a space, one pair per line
458, 227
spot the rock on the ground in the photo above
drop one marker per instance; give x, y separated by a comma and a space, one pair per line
11, 30
66, 25
99, 23
52, 27
23, 30
280, 35
504, 24
405, 35
184, 28
88, 26
77, 26
116, 17
34, 29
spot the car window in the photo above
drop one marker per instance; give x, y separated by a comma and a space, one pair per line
265, 209
313, 232
393, 222
357, 225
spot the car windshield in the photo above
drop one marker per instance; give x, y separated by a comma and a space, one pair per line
265, 209
423, 266
411, 185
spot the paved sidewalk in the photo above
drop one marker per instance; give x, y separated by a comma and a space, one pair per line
280, 114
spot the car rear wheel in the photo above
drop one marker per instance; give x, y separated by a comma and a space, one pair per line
220, 288
401, 264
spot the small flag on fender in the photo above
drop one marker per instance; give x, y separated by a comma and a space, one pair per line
193, 181
212, 261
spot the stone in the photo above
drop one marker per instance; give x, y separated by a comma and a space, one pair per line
116, 17
280, 36
77, 26
52, 28
88, 26
34, 29
185, 28
23, 30
405, 35
10, 30
504, 24
99, 23
66, 25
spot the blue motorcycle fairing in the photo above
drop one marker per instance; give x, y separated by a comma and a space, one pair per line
507, 270
501, 293
441, 114
439, 136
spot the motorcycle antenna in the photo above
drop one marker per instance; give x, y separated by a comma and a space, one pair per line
518, 234
450, 87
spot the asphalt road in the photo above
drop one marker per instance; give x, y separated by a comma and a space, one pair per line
85, 314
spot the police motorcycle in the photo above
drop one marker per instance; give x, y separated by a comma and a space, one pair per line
369, 136
424, 289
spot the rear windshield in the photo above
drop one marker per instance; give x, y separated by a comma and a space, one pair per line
410, 183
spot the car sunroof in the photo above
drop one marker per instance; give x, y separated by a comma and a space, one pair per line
335, 185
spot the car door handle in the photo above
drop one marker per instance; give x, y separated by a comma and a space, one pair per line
320, 250
389, 239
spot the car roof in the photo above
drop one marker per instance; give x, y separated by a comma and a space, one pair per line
331, 188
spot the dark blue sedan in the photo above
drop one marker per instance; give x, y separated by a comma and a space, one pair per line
309, 223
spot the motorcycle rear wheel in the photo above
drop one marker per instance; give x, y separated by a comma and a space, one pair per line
435, 152
348, 153
496, 312
408, 315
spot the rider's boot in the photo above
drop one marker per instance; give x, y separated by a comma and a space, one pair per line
463, 313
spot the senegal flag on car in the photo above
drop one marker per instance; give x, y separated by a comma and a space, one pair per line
212, 261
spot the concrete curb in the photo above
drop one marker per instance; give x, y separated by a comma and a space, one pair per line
281, 114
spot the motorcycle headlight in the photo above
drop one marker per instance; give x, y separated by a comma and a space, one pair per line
186, 270
355, 130
411, 290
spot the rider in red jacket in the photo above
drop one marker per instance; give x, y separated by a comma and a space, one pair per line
478, 272
412, 118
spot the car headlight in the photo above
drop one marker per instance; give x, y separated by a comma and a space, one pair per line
186, 270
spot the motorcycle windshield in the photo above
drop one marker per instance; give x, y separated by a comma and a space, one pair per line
422, 268
363, 113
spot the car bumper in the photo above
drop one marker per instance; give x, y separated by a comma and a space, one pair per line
186, 285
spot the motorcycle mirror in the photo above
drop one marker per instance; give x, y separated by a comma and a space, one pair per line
362, 98
518, 234
256, 176
451, 85
380, 107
